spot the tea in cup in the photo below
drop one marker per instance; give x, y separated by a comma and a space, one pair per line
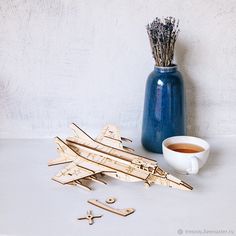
186, 154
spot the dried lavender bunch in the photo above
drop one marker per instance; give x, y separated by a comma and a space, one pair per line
163, 35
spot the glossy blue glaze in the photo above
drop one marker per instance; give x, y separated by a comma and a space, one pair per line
164, 107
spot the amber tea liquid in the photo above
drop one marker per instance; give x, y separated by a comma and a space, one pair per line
185, 148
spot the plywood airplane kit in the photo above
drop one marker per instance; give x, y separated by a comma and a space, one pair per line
88, 157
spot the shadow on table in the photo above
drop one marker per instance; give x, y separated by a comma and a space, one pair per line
213, 160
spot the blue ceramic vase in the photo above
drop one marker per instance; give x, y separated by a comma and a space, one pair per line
164, 107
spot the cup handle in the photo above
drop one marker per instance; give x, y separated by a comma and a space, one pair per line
194, 166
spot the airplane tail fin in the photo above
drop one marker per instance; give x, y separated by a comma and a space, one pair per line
79, 133
66, 153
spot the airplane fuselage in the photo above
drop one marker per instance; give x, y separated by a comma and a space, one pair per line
118, 163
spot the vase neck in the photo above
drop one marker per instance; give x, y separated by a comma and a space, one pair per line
167, 69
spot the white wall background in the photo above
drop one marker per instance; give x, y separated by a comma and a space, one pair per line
87, 61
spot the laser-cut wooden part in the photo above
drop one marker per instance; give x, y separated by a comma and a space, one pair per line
96, 180
65, 155
110, 200
107, 155
126, 139
89, 217
121, 212
79, 184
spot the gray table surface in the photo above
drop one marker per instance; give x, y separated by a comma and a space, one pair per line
32, 204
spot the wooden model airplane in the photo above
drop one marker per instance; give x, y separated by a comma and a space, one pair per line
106, 155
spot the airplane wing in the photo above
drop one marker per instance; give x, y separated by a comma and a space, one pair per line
77, 171
74, 172
111, 136
80, 168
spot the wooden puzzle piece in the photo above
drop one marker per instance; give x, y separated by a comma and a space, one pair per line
89, 217
121, 212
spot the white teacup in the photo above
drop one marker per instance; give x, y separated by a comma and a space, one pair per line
181, 161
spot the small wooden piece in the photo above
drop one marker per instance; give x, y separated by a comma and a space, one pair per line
121, 212
96, 180
111, 200
89, 217
79, 184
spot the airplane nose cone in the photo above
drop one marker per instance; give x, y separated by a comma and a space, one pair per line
186, 186
177, 183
